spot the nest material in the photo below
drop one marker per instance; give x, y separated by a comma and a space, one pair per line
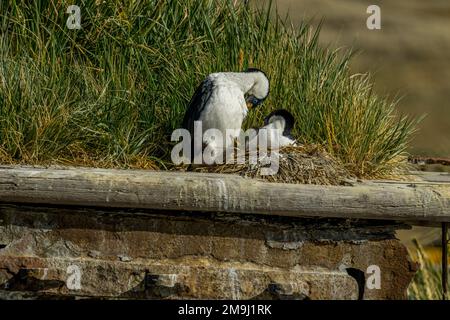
306, 164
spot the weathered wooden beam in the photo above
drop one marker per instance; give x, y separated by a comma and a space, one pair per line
402, 201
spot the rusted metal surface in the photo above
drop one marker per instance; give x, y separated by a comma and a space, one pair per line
429, 160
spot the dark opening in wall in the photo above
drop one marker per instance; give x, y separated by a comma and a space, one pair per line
360, 278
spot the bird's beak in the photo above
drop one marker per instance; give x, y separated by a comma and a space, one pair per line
251, 102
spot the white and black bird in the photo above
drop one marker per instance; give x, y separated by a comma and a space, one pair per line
278, 124
222, 102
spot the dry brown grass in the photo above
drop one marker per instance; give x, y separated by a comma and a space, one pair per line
79, 158
306, 164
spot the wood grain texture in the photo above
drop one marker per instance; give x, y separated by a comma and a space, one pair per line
418, 201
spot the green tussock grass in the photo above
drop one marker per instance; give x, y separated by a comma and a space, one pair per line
427, 283
111, 93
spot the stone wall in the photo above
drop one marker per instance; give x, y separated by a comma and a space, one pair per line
72, 252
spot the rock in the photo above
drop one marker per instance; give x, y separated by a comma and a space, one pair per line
124, 258
72, 252
94, 254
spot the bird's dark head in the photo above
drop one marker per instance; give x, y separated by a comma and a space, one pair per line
260, 89
253, 102
282, 119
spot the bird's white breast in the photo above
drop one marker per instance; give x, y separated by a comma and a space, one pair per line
226, 108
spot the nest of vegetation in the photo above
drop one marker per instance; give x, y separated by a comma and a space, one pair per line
306, 164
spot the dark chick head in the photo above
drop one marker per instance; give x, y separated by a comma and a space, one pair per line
284, 120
